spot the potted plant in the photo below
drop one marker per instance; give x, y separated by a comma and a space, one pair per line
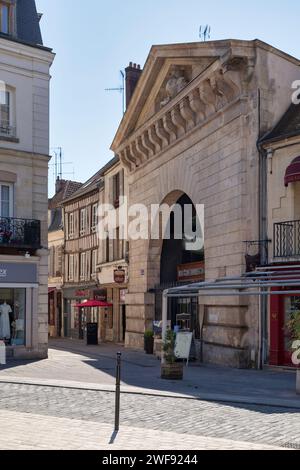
170, 369
294, 332
148, 341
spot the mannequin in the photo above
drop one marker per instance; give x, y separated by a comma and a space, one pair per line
5, 310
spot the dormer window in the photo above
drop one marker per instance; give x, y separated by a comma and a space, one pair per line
4, 18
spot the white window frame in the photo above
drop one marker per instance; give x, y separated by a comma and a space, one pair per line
83, 221
83, 266
71, 226
71, 268
11, 198
6, 5
94, 217
94, 262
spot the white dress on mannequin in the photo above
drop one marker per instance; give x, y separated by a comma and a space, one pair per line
5, 310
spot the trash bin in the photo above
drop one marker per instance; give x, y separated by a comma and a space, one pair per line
2, 353
92, 334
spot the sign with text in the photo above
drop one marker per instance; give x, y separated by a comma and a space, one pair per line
18, 273
183, 345
191, 272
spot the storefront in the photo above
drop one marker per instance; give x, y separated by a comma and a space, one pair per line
75, 319
282, 307
18, 303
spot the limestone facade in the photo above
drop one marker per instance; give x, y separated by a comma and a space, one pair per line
192, 128
24, 157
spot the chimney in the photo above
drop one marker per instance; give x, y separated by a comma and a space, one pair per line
59, 184
132, 75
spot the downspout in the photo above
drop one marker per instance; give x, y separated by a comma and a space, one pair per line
263, 235
164, 319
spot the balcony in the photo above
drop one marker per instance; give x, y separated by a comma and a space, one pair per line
287, 239
20, 233
7, 131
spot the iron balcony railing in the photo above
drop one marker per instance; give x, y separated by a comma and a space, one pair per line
287, 239
6, 130
20, 233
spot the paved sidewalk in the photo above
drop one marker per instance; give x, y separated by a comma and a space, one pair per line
33, 432
73, 364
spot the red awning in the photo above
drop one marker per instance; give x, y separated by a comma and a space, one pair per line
51, 289
93, 303
292, 173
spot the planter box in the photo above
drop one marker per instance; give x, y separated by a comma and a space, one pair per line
298, 382
172, 371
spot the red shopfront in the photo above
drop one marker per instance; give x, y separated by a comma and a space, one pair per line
281, 309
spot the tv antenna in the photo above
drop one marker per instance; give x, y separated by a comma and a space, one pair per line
58, 165
120, 89
204, 32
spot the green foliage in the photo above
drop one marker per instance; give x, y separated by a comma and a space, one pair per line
169, 347
148, 334
293, 326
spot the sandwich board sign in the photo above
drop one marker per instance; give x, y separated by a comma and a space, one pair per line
183, 345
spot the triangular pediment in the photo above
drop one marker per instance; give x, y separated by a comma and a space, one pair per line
174, 76
168, 69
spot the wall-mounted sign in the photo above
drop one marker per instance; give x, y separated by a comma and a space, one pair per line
191, 272
82, 294
100, 295
119, 276
18, 273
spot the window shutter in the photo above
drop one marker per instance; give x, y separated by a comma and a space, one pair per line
66, 273
66, 225
88, 266
76, 267
88, 219
122, 189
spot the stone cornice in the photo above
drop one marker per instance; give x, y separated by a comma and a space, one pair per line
23, 154
203, 98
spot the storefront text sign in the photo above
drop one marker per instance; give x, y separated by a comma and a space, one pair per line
191, 272
100, 295
18, 273
85, 294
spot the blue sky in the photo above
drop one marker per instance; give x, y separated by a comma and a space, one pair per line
93, 40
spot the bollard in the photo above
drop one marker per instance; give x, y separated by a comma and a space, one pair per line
2, 353
118, 392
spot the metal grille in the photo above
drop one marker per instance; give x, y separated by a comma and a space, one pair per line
20, 233
287, 239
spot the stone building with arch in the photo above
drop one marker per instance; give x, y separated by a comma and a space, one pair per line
190, 131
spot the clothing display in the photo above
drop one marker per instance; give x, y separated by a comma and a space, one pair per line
5, 311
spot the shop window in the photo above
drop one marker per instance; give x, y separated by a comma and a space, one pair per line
12, 316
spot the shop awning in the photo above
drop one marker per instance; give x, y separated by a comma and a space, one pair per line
51, 290
292, 173
93, 303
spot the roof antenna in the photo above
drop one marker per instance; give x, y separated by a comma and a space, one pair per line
121, 89
204, 32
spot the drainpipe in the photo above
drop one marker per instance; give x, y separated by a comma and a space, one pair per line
263, 235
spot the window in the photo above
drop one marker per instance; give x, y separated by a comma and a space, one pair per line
117, 245
83, 266
71, 268
71, 226
107, 248
4, 18
118, 185
94, 217
5, 113
94, 262
6, 205
83, 222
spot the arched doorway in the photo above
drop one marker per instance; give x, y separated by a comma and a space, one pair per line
179, 260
